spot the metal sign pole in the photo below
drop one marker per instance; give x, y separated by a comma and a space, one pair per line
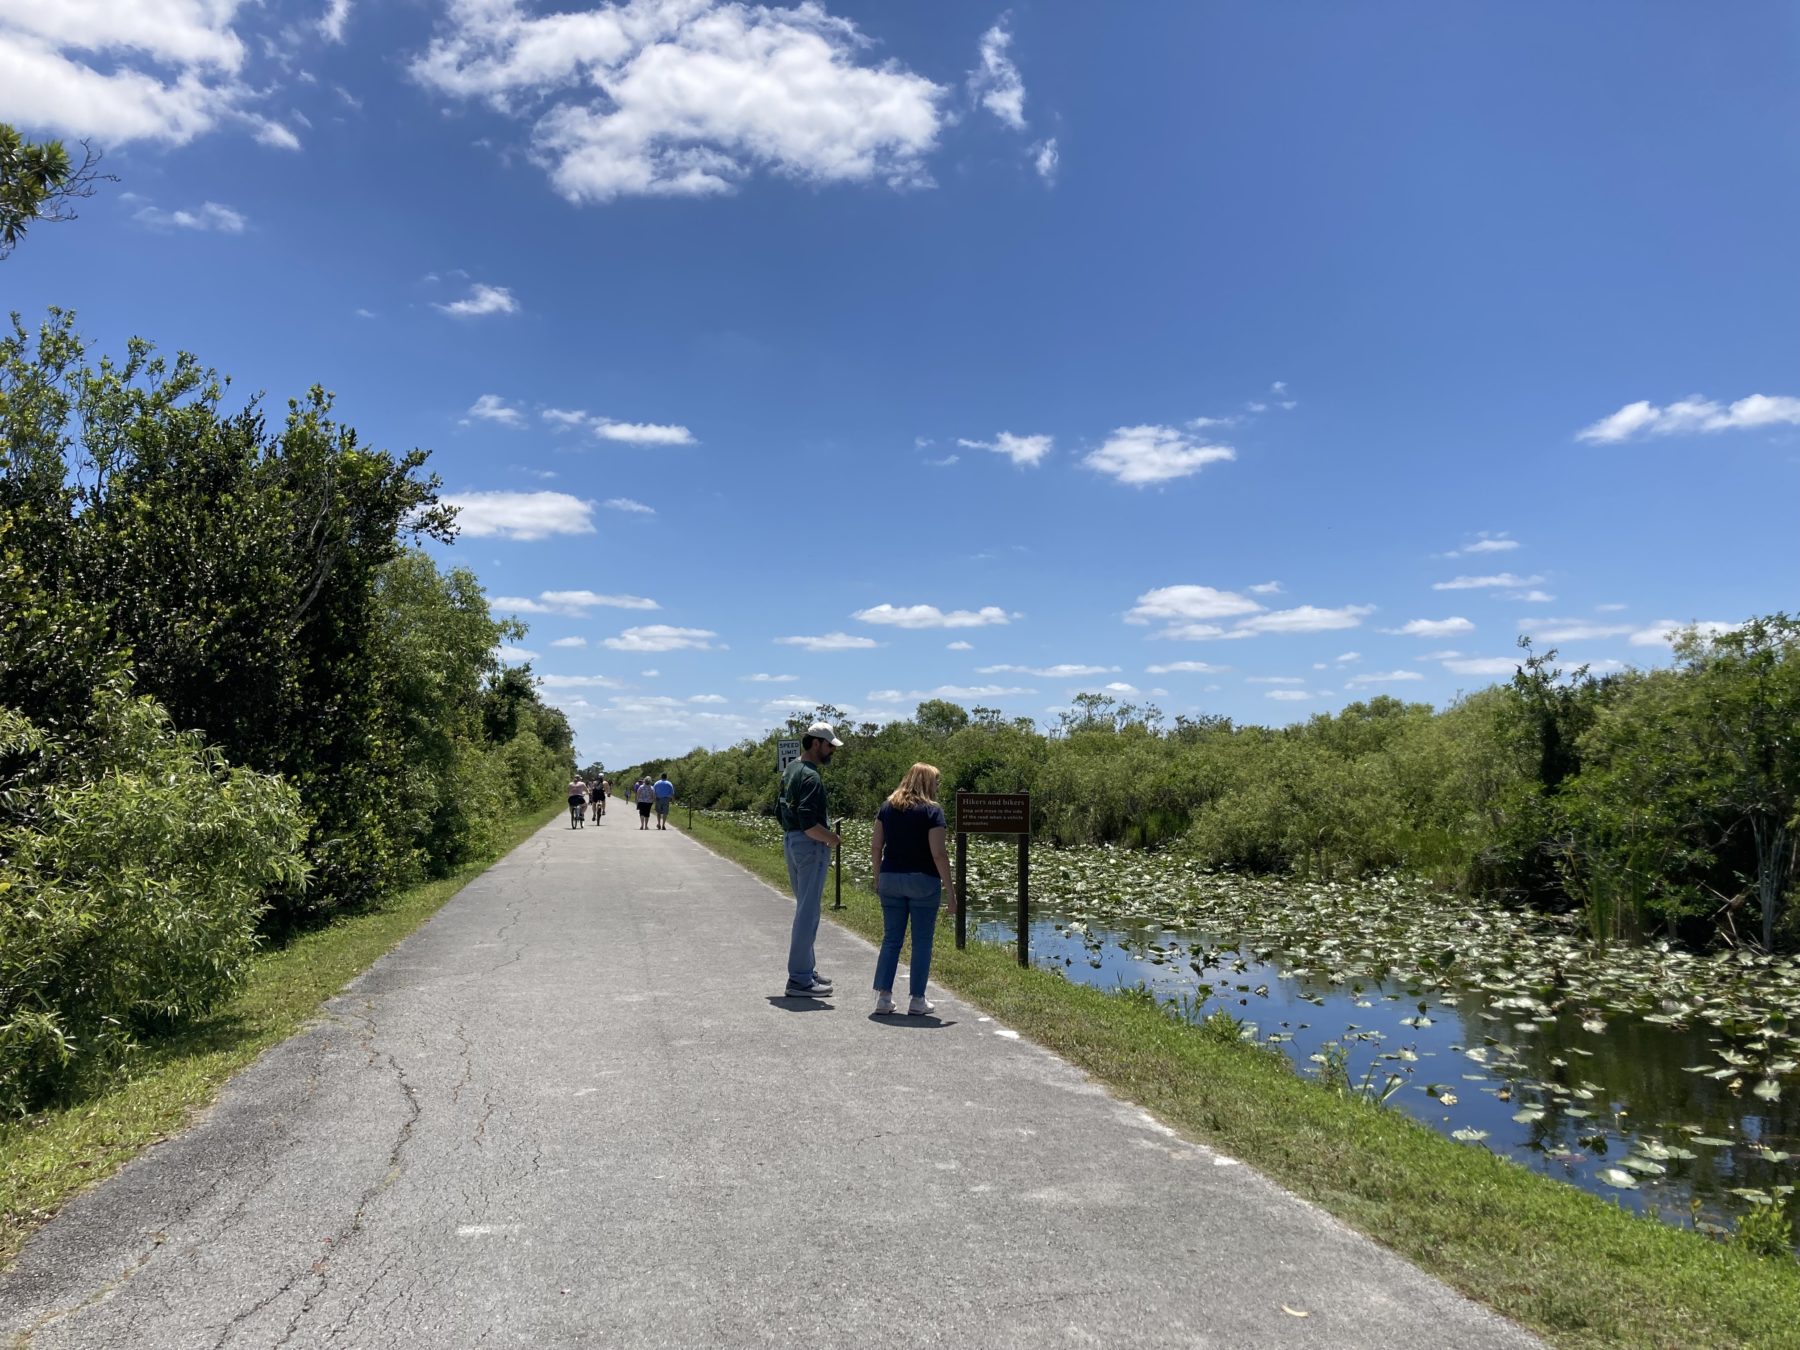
962, 890
837, 865
1024, 900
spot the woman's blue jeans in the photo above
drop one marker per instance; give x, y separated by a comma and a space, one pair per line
906, 895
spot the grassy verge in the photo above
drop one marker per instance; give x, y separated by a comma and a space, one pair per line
48, 1157
1577, 1270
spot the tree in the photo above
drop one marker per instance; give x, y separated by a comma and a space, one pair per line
1746, 722
38, 181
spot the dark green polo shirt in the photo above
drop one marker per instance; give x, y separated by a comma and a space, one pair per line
802, 802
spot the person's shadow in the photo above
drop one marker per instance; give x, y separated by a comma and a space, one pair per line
908, 1022
800, 1005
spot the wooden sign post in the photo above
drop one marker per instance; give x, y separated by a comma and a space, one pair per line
994, 813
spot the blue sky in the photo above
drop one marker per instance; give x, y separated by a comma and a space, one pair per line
1251, 358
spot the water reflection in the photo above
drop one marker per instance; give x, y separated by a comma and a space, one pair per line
1548, 1092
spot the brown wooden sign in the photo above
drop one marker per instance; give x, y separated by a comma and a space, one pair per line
993, 812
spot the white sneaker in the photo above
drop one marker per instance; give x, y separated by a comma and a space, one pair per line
920, 1008
884, 1004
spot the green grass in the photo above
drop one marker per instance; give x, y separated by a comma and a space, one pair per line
1579, 1271
47, 1158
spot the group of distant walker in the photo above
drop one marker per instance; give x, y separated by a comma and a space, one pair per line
912, 871
658, 793
585, 797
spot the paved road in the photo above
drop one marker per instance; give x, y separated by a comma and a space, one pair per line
573, 1111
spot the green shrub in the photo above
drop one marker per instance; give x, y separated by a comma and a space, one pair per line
132, 871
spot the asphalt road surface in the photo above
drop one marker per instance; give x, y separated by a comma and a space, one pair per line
574, 1110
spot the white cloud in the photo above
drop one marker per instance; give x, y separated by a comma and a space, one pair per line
1349, 658
708, 698
520, 515
574, 604
628, 505
1265, 588
1611, 608
1481, 665
1288, 695
1189, 602
1274, 679
362, 313
1692, 414
207, 216
996, 83
1665, 631
493, 408
1186, 668
1066, 671
1046, 159
482, 299
829, 642
1432, 628
642, 433
660, 637
687, 97
124, 70
948, 691
1573, 630
570, 642
1531, 597
649, 674
514, 655
577, 682
565, 418
1306, 619
975, 691
1487, 541
959, 646
1119, 687
1480, 583
770, 679
1387, 677
930, 616
331, 23
1024, 451
945, 462
1143, 455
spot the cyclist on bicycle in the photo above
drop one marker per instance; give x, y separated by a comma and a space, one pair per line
597, 798
577, 802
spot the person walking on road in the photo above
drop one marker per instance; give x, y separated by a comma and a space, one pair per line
646, 794
807, 840
912, 872
577, 801
665, 798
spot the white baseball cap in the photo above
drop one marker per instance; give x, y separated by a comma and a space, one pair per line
823, 732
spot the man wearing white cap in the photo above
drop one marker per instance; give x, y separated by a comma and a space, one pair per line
807, 841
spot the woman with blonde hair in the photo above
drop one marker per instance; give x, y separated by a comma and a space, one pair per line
912, 872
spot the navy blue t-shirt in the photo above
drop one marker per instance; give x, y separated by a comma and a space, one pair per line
906, 837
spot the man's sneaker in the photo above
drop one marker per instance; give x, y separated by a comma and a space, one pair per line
817, 989
884, 1004
920, 1008
820, 982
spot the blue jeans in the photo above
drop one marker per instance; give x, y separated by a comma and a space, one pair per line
905, 895
807, 863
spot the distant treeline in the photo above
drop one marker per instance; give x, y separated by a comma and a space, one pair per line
1655, 802
233, 694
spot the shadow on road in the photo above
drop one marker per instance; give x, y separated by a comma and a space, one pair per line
799, 1005
907, 1022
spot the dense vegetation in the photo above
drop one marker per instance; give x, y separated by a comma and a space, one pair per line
1656, 802
235, 697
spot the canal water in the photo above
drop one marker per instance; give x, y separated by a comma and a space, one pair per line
1616, 1112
